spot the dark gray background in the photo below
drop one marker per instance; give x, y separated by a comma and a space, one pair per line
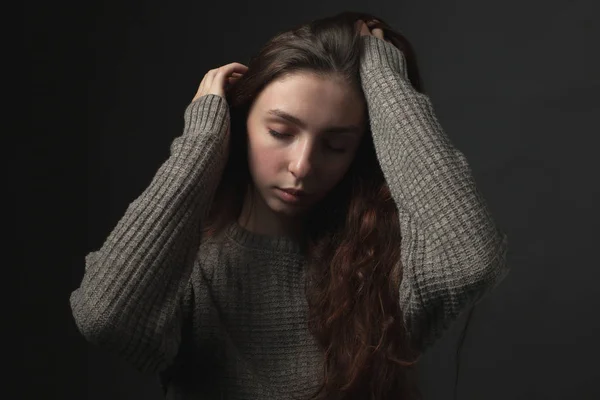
515, 84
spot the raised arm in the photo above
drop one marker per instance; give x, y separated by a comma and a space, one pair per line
129, 298
452, 252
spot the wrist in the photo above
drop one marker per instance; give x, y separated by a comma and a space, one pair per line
378, 53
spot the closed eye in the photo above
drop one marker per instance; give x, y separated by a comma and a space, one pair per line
335, 149
278, 135
287, 135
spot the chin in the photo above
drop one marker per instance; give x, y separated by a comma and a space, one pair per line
281, 208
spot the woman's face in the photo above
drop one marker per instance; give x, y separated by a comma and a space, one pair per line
303, 133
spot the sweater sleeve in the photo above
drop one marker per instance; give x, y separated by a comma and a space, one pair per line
131, 295
452, 252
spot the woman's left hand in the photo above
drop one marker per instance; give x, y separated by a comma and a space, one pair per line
367, 28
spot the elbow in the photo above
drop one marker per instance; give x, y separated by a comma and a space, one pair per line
492, 269
88, 310
90, 319
96, 322
147, 353
497, 260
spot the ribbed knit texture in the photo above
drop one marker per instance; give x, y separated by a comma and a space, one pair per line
227, 317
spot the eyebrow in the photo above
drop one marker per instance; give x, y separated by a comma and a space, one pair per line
297, 121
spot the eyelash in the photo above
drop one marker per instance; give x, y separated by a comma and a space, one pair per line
284, 135
277, 134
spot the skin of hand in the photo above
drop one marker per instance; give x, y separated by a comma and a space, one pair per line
367, 28
216, 80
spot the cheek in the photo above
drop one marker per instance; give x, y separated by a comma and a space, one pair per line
264, 161
332, 172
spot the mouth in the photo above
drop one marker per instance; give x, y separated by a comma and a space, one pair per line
295, 192
291, 196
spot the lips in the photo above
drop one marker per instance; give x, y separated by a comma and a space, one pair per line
295, 192
292, 196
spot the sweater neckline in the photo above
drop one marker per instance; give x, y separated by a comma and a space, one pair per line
258, 241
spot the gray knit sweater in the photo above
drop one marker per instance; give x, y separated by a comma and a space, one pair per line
226, 317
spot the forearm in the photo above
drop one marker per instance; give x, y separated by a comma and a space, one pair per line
452, 250
128, 298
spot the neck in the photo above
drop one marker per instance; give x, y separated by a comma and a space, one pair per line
257, 217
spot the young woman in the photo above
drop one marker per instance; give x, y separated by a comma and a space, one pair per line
311, 233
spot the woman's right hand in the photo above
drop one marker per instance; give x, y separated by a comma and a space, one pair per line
216, 80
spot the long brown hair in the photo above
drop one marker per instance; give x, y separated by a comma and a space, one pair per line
353, 239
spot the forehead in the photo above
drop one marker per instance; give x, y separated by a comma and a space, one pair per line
319, 100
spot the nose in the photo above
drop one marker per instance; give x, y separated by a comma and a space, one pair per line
303, 159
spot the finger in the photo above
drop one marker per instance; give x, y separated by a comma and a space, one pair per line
372, 23
377, 32
358, 24
227, 71
364, 30
233, 67
230, 82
